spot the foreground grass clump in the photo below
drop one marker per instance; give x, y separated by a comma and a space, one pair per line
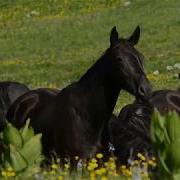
165, 133
19, 149
20, 156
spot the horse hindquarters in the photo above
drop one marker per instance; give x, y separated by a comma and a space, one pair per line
35, 105
166, 100
30, 105
21, 108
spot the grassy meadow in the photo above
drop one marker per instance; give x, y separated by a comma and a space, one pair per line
51, 43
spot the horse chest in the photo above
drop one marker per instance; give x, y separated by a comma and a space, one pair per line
79, 122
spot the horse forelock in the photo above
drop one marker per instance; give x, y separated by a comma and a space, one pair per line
128, 48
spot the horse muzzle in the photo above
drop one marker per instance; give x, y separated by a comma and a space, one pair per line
144, 90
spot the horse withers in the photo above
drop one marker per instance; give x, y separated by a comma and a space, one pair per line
74, 122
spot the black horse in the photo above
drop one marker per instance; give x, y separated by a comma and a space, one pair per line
130, 131
31, 104
9, 92
74, 122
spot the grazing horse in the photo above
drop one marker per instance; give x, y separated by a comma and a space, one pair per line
9, 92
74, 122
130, 131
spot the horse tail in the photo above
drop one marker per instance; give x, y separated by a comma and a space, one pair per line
20, 110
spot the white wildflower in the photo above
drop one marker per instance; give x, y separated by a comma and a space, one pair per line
34, 13
169, 68
156, 72
176, 75
127, 3
177, 66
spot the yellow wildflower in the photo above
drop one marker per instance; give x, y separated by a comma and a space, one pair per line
9, 169
60, 178
52, 172
10, 174
76, 157
135, 162
54, 166
112, 165
92, 166
152, 163
104, 178
144, 174
140, 156
145, 164
123, 167
111, 159
92, 176
99, 156
3, 173
67, 166
93, 160
100, 171
127, 172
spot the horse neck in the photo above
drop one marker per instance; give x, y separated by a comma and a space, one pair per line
100, 78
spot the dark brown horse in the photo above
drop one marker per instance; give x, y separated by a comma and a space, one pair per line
130, 132
74, 122
31, 104
9, 92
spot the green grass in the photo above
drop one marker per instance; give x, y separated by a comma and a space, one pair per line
53, 42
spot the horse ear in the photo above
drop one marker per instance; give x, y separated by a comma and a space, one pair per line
134, 38
114, 36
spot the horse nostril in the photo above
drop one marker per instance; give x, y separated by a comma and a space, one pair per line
141, 91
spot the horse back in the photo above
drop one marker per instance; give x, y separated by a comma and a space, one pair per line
166, 100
